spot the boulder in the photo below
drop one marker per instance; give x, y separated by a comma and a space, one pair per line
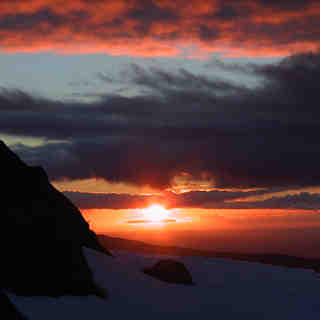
171, 271
42, 234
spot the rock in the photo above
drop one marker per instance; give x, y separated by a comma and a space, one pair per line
169, 270
42, 234
7, 310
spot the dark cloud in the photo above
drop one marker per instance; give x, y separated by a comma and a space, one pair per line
304, 201
23, 21
109, 201
148, 12
286, 4
238, 136
170, 85
226, 13
211, 199
207, 34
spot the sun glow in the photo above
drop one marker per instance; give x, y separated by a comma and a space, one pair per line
155, 213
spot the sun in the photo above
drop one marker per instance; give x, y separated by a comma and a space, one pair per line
155, 213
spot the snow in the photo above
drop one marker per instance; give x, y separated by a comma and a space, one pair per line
224, 289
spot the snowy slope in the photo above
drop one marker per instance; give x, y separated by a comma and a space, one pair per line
224, 289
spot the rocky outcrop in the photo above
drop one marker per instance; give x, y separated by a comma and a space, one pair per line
42, 234
169, 270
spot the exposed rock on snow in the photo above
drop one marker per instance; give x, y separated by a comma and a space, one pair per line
170, 271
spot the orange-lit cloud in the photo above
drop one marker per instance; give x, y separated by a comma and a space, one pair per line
160, 28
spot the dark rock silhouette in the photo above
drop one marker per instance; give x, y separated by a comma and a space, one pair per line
169, 270
8, 310
42, 235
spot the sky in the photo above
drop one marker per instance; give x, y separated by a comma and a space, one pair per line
209, 108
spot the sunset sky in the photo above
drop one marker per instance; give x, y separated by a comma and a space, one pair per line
208, 108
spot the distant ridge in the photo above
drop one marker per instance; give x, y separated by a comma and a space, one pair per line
270, 259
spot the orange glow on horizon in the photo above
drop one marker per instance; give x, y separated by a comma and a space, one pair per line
115, 222
220, 230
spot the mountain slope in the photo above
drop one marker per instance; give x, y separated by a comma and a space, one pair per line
42, 233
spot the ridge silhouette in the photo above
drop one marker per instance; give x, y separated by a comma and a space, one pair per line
42, 235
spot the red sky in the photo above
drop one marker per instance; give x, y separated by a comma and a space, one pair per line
160, 27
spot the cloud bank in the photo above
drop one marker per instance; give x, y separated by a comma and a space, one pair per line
160, 27
182, 123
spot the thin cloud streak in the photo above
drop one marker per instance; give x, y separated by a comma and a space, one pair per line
199, 199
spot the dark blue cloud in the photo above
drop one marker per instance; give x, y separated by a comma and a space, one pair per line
239, 136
